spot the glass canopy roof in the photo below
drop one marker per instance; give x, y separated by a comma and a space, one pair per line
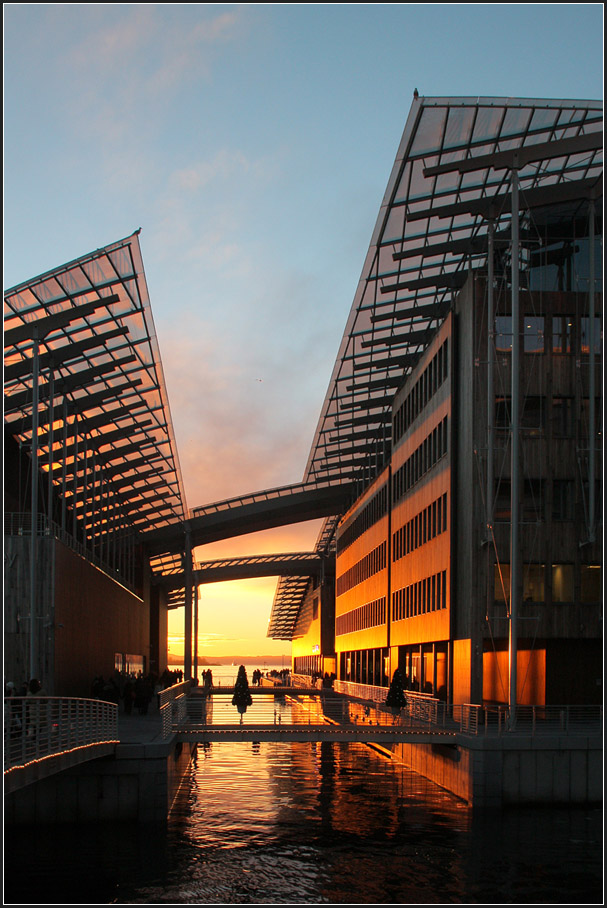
451, 178
102, 410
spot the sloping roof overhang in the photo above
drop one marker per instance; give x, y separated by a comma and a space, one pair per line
86, 329
451, 175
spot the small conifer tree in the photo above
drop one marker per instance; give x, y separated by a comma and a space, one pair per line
242, 695
396, 694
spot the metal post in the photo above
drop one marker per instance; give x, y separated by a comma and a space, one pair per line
514, 450
75, 482
490, 375
33, 673
51, 440
195, 586
64, 468
591, 383
85, 479
187, 629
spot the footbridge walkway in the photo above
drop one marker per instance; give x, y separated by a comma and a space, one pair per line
299, 714
46, 735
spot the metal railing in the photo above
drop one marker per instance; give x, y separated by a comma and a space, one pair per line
38, 727
476, 719
361, 704
530, 720
174, 706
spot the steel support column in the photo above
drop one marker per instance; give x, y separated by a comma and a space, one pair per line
591, 382
33, 662
187, 624
515, 569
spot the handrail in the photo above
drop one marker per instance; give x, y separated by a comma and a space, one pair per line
173, 706
39, 727
483, 719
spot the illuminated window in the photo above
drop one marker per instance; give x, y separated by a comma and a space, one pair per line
533, 582
591, 589
562, 583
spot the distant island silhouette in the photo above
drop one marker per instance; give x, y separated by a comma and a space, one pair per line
176, 659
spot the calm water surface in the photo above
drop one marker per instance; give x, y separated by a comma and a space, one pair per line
313, 823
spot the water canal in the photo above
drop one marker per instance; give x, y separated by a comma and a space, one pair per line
310, 823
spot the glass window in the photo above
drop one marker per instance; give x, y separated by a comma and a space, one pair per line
562, 583
562, 499
533, 334
585, 335
503, 334
533, 582
428, 135
532, 416
591, 588
533, 500
562, 417
501, 582
562, 333
502, 413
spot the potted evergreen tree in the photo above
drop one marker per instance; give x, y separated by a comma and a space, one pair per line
396, 698
242, 695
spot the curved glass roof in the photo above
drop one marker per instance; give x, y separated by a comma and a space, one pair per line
451, 177
102, 403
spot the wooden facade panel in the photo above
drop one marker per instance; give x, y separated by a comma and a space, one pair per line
95, 618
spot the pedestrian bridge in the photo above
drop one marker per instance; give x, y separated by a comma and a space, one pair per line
47, 735
296, 714
376, 734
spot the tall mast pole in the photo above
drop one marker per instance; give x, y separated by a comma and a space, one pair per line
490, 377
33, 666
515, 569
591, 382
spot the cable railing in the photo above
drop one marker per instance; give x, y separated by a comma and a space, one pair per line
476, 719
557, 720
40, 727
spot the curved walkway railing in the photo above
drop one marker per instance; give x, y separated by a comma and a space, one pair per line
38, 728
173, 706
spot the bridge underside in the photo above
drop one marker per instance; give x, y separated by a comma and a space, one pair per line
295, 564
250, 514
19, 776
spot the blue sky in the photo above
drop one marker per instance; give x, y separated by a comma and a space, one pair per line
252, 144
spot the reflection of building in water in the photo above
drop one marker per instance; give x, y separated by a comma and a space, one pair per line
476, 447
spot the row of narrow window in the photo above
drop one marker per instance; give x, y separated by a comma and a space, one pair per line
433, 447
422, 391
372, 563
562, 416
427, 595
373, 511
430, 522
568, 334
372, 614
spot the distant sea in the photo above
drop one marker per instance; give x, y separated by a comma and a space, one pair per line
227, 672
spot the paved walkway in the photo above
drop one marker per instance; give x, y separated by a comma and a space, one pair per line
136, 729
